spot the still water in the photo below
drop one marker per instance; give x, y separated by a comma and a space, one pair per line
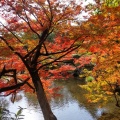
72, 105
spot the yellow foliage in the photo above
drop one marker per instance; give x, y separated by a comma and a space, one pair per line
109, 93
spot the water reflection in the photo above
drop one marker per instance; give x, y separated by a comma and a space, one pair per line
71, 106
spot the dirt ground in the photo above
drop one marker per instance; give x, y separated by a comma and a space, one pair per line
110, 116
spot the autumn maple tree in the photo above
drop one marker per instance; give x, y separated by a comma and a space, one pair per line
104, 42
37, 39
34, 36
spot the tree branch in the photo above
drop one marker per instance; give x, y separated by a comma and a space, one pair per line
28, 85
11, 32
4, 71
63, 51
13, 87
58, 58
11, 48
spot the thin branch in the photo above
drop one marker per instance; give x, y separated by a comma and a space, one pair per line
23, 60
45, 34
51, 14
31, 52
62, 16
28, 22
115, 96
4, 71
12, 87
28, 85
43, 59
58, 57
45, 48
63, 51
8, 93
11, 48
50, 9
45, 12
11, 32
27, 19
39, 21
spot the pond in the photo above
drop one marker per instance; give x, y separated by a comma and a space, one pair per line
72, 105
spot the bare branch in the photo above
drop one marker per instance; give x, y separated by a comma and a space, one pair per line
45, 48
28, 22
11, 48
51, 14
58, 57
9, 93
62, 51
40, 22
28, 85
13, 87
13, 71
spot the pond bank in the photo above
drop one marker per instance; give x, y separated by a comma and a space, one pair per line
114, 115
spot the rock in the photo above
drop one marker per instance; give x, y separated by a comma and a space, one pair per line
89, 66
79, 71
71, 62
76, 55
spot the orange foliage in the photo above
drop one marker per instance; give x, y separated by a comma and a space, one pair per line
25, 39
103, 38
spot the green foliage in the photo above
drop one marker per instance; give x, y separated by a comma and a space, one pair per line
97, 11
112, 3
18, 115
7, 115
51, 37
89, 79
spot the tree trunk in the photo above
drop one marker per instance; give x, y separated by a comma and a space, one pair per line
42, 99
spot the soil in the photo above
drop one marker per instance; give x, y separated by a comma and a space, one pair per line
110, 116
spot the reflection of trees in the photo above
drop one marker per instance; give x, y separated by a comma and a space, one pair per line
5, 113
73, 93
3, 103
60, 101
15, 97
3, 108
32, 101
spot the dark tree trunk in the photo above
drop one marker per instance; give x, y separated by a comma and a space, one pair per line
42, 99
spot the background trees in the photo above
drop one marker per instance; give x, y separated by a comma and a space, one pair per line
103, 28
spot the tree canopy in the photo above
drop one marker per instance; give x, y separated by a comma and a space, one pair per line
103, 28
35, 35
38, 38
